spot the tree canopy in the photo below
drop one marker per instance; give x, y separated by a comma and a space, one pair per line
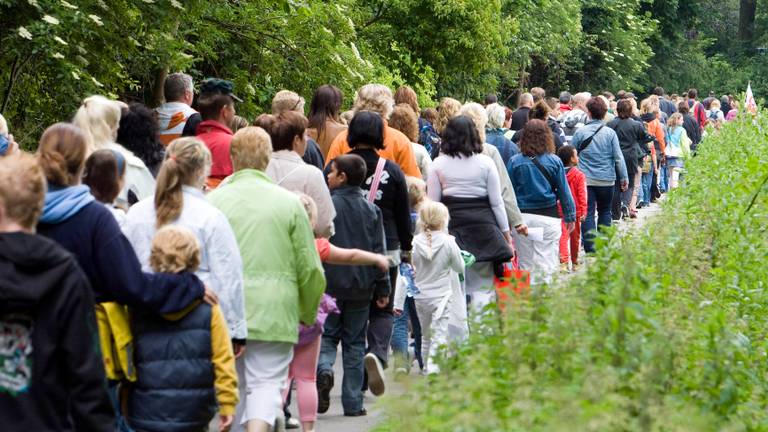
54, 52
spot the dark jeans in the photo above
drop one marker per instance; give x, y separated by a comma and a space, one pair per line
381, 321
348, 327
599, 198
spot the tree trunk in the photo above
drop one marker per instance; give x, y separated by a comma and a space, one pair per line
747, 9
158, 89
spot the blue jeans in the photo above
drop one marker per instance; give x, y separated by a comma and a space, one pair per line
400, 331
599, 198
113, 390
349, 328
644, 195
663, 185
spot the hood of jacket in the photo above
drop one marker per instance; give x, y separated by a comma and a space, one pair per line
30, 267
429, 244
572, 118
63, 203
648, 117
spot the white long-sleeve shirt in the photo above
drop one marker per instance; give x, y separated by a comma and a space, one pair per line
221, 267
468, 177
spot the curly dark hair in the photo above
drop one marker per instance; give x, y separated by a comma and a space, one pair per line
536, 138
461, 137
139, 133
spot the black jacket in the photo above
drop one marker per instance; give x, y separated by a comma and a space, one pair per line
108, 259
691, 127
474, 226
633, 140
51, 371
312, 155
519, 118
359, 225
392, 199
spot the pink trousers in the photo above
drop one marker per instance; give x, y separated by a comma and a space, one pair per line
303, 369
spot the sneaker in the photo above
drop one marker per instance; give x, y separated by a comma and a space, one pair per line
624, 212
375, 374
292, 423
360, 413
279, 425
564, 268
324, 386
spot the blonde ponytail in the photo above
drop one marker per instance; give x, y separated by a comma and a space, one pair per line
187, 162
433, 216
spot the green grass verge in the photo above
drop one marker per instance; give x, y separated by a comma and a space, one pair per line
665, 332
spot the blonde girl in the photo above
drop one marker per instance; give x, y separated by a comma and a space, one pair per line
437, 262
678, 147
179, 200
99, 118
176, 249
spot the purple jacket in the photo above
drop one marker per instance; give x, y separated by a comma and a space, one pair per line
307, 334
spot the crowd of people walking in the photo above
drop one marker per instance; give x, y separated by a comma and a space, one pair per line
182, 267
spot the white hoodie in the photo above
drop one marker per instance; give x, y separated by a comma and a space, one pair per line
434, 265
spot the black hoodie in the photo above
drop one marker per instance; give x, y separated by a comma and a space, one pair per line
51, 371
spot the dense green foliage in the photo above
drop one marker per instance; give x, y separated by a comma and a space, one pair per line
55, 52
665, 332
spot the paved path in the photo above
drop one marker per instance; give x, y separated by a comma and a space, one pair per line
334, 420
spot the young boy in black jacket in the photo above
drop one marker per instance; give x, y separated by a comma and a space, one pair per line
358, 225
51, 371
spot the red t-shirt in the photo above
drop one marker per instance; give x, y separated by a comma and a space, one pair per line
323, 248
217, 138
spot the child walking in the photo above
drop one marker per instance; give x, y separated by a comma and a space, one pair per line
359, 225
303, 367
437, 261
417, 195
577, 183
678, 147
105, 174
184, 360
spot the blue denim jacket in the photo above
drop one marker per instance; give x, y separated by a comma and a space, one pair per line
603, 157
506, 148
533, 190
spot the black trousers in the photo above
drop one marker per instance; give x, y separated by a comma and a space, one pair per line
380, 322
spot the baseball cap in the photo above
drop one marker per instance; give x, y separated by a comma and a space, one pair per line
218, 86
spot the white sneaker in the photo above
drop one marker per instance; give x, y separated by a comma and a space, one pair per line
375, 374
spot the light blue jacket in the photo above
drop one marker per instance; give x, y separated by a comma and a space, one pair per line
601, 159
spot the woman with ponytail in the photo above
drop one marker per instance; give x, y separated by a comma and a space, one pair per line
86, 228
179, 200
437, 263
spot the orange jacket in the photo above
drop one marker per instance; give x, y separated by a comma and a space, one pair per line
397, 148
657, 130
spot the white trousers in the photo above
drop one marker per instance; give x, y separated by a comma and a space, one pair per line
434, 317
262, 374
479, 283
540, 257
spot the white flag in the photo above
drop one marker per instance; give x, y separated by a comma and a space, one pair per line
749, 103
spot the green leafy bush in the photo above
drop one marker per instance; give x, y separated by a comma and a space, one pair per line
665, 332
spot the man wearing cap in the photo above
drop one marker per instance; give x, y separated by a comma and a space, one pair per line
217, 109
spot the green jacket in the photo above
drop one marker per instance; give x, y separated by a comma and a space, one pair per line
283, 277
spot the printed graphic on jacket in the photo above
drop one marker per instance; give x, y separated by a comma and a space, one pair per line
15, 353
382, 181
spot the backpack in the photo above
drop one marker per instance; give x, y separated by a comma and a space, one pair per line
429, 138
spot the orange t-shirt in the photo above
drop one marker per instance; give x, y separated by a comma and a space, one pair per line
397, 148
